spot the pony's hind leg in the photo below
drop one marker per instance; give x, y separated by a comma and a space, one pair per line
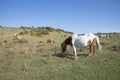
92, 48
91, 51
89, 54
94, 51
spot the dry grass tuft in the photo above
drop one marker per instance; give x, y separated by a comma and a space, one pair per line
115, 48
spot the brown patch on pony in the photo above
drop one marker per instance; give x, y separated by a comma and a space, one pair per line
94, 42
68, 41
89, 42
92, 46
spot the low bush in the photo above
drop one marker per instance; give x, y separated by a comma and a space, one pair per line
41, 42
32, 33
23, 32
5, 41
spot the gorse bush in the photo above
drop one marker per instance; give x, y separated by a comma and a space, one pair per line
39, 31
45, 33
49, 29
23, 32
5, 41
39, 34
1, 33
41, 42
32, 33
59, 30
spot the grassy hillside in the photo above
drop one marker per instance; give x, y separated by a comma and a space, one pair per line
34, 59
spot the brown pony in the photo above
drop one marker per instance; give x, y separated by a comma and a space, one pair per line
50, 41
82, 41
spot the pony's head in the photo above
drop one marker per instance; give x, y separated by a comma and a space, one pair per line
67, 41
63, 47
15, 35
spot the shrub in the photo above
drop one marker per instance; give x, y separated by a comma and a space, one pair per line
60, 30
50, 29
46, 32
5, 41
23, 32
41, 42
39, 34
1, 33
32, 33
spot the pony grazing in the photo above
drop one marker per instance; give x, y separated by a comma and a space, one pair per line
105, 36
81, 41
17, 37
50, 41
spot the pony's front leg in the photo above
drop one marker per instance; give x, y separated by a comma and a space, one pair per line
75, 53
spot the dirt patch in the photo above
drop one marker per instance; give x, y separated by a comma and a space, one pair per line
103, 43
115, 48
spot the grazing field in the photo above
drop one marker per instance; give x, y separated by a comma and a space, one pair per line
34, 59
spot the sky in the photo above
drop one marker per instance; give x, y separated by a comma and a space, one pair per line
78, 16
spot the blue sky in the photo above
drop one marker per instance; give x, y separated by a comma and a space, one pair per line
78, 16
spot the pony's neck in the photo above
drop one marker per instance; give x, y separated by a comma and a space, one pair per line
68, 41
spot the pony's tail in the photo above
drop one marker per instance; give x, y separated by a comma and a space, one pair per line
98, 44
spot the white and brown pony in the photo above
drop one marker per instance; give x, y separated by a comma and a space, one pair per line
107, 36
17, 37
81, 41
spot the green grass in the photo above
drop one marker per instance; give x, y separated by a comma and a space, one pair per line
35, 61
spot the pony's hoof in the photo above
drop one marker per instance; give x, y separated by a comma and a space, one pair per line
93, 56
75, 58
88, 56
